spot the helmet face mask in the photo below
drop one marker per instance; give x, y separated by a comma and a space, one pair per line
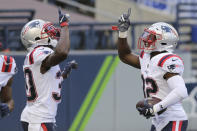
51, 31
38, 32
158, 37
148, 39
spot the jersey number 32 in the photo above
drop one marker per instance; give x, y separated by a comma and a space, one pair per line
149, 86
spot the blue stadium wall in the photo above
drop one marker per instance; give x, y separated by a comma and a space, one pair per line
99, 96
74, 91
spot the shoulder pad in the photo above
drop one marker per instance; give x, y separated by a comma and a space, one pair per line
8, 64
171, 63
38, 53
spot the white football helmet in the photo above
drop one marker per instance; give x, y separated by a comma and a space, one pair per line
158, 37
39, 32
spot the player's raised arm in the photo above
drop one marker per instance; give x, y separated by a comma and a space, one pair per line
124, 50
62, 49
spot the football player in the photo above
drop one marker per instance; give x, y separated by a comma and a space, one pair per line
161, 72
47, 47
7, 70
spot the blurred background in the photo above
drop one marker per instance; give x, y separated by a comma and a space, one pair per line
100, 95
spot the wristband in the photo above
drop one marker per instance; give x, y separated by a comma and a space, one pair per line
64, 24
123, 34
156, 108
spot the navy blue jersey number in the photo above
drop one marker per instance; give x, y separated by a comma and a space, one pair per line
30, 86
57, 96
151, 89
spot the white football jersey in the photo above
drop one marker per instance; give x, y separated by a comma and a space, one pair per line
154, 85
43, 90
7, 69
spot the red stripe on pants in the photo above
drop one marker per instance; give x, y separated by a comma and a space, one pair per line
44, 127
180, 125
173, 125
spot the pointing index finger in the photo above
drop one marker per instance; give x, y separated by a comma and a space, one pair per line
59, 11
129, 12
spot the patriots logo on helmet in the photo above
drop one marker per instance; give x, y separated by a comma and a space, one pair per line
34, 24
39, 32
159, 36
166, 28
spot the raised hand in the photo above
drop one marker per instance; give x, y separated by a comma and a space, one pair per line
69, 66
63, 18
124, 22
73, 64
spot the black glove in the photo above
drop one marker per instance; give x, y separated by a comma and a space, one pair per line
73, 64
63, 18
124, 22
147, 110
69, 66
4, 110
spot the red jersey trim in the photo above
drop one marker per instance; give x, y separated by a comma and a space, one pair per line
142, 54
7, 64
166, 57
31, 58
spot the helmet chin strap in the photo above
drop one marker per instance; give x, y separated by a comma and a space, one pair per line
41, 42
